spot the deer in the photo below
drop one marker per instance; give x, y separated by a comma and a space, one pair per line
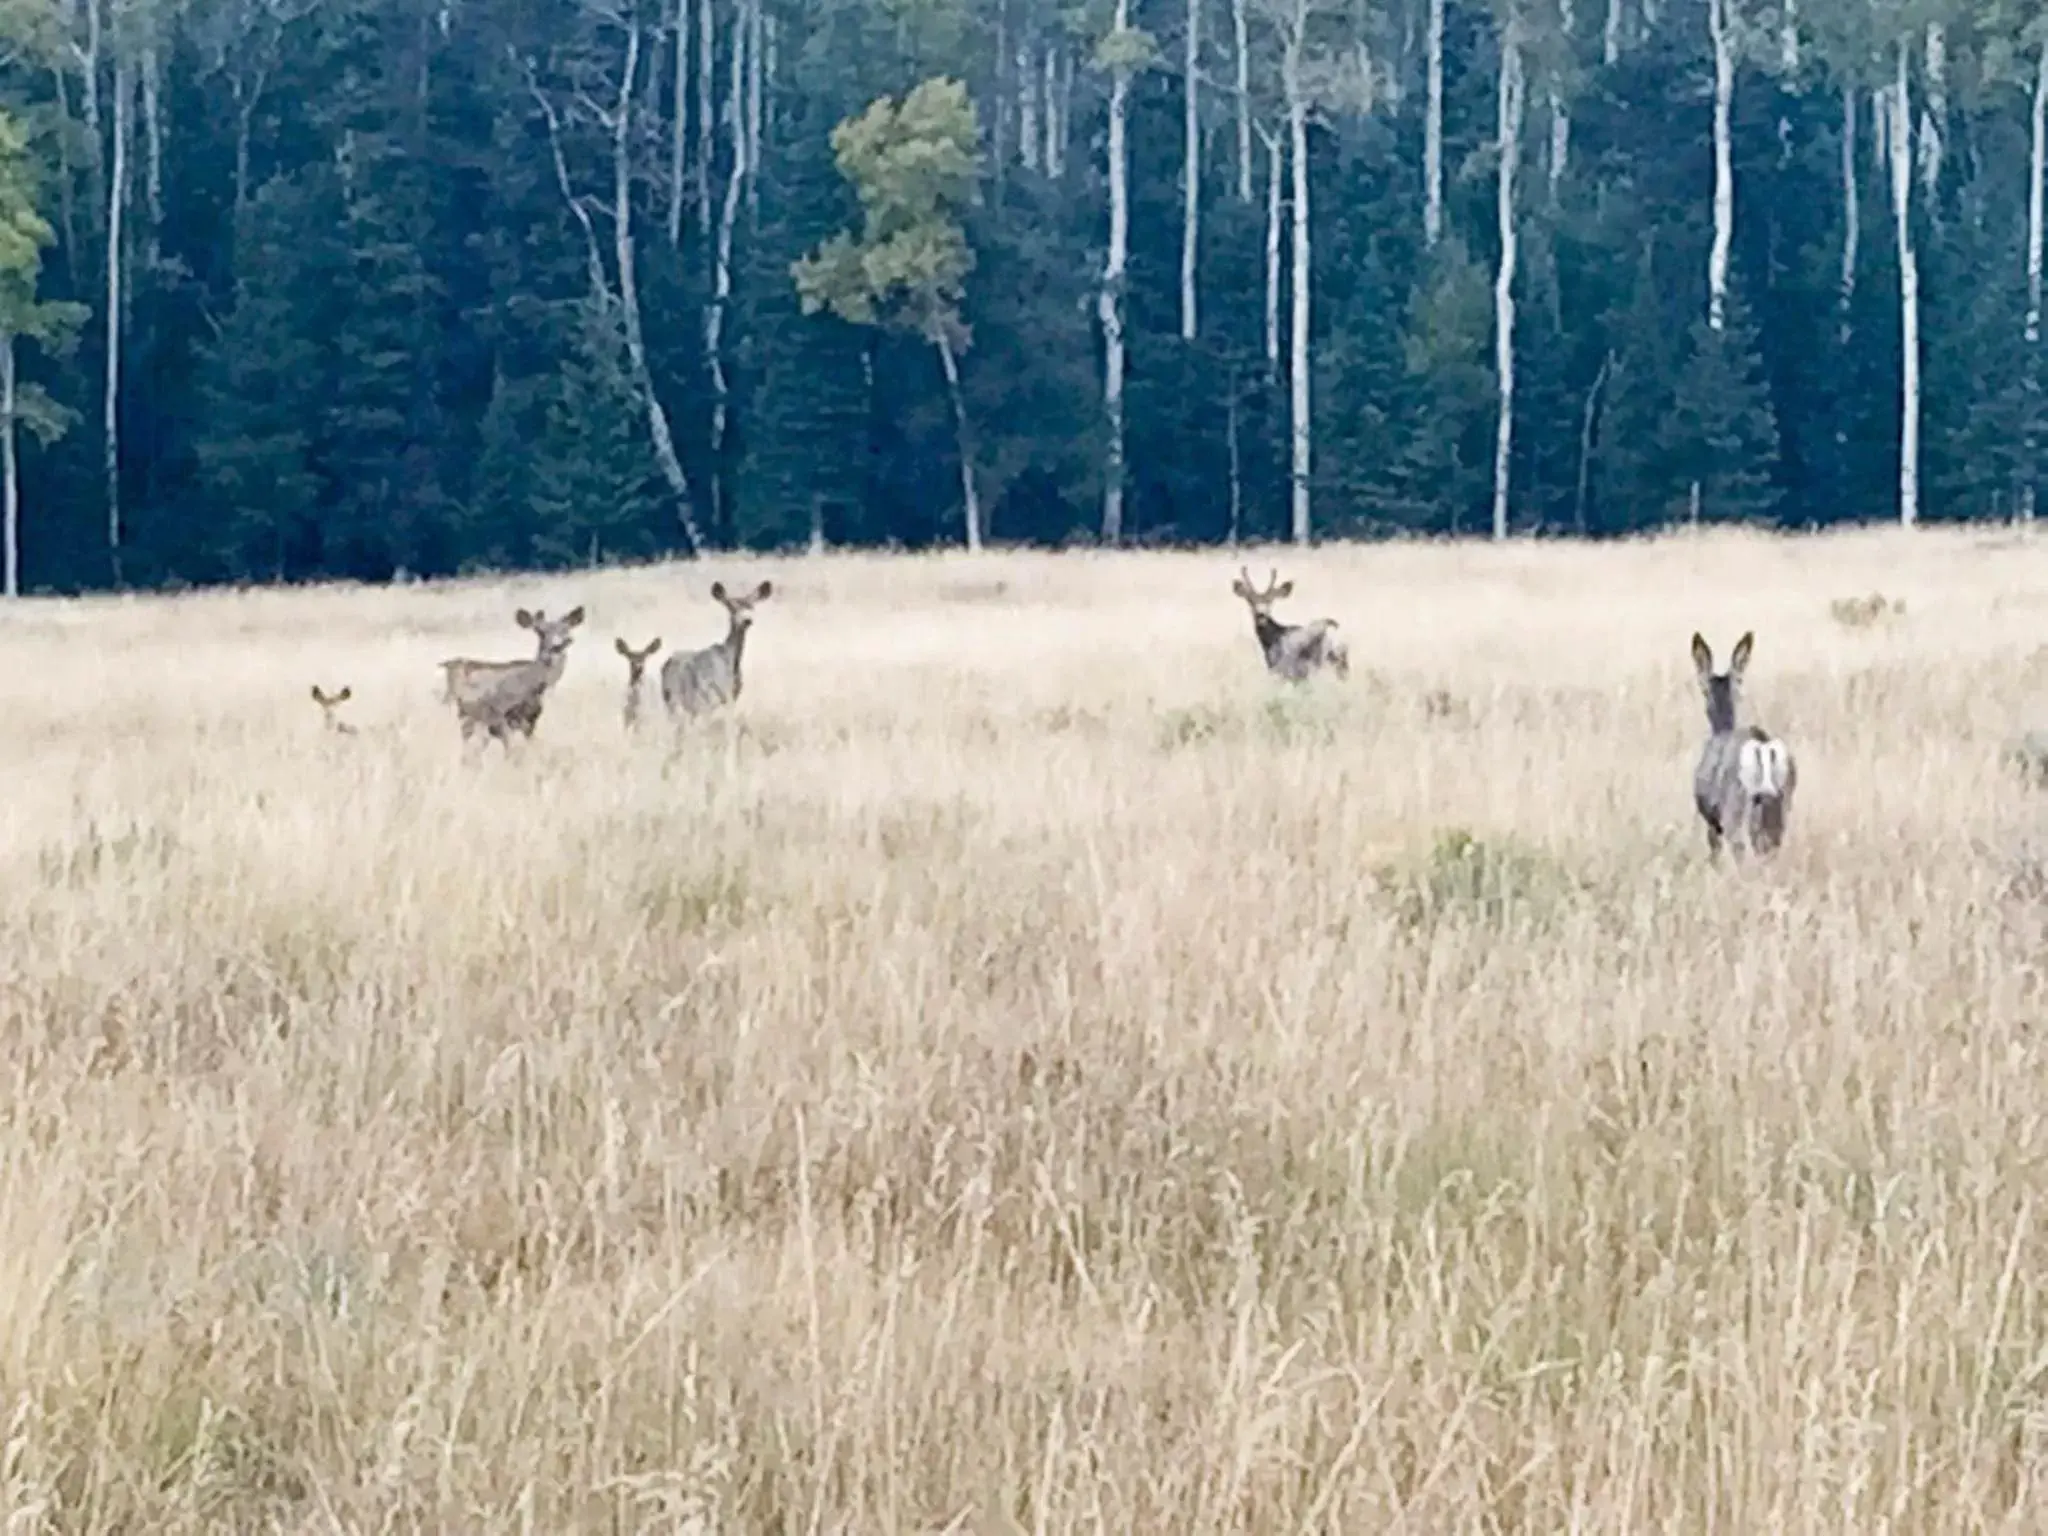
1292, 651
500, 697
1743, 783
697, 682
330, 705
636, 674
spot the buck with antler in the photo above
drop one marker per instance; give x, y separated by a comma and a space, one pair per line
697, 682
500, 697
1292, 651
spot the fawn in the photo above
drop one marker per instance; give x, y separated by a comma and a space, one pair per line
505, 696
636, 674
1743, 783
696, 682
1292, 651
330, 706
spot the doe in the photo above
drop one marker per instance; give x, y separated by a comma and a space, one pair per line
1742, 785
697, 682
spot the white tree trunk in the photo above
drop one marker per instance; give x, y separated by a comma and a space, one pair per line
707, 124
1433, 129
1610, 35
1273, 162
1509, 143
721, 261
117, 204
1053, 136
1900, 122
665, 455
1109, 297
10, 478
1724, 164
2036, 191
751, 22
679, 127
1852, 212
1934, 121
1191, 169
1299, 279
1788, 38
1241, 26
1027, 109
970, 498
153, 148
1560, 113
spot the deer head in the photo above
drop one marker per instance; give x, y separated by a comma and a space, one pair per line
552, 636
739, 607
636, 672
329, 704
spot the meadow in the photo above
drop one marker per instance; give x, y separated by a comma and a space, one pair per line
1023, 1068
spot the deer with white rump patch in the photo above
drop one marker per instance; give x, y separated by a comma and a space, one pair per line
1292, 651
697, 682
1743, 784
500, 697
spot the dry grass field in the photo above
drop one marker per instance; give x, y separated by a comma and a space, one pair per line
1023, 1069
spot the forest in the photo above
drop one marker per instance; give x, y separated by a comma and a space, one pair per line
383, 289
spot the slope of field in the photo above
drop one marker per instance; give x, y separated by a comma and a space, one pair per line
1022, 1069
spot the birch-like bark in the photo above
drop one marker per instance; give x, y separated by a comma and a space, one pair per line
1934, 121
1852, 214
665, 455
1508, 140
679, 127
1027, 109
707, 125
970, 499
1236, 452
1560, 113
1055, 136
1109, 298
2036, 192
1241, 27
117, 205
1788, 38
153, 149
1610, 35
10, 477
1433, 129
1272, 255
1191, 169
728, 217
1724, 164
752, 24
1899, 111
1300, 458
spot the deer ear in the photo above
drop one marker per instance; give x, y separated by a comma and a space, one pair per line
763, 590
345, 695
574, 615
1285, 589
654, 645
619, 645
1702, 655
1238, 588
318, 696
1739, 657
718, 590
523, 619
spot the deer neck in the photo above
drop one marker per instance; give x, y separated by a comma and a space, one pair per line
735, 647
1720, 708
1269, 630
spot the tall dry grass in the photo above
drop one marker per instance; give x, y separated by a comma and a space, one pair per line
1024, 1069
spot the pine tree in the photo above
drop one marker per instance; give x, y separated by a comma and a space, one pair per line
1720, 432
596, 492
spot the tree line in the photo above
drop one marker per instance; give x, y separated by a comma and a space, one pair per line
376, 287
